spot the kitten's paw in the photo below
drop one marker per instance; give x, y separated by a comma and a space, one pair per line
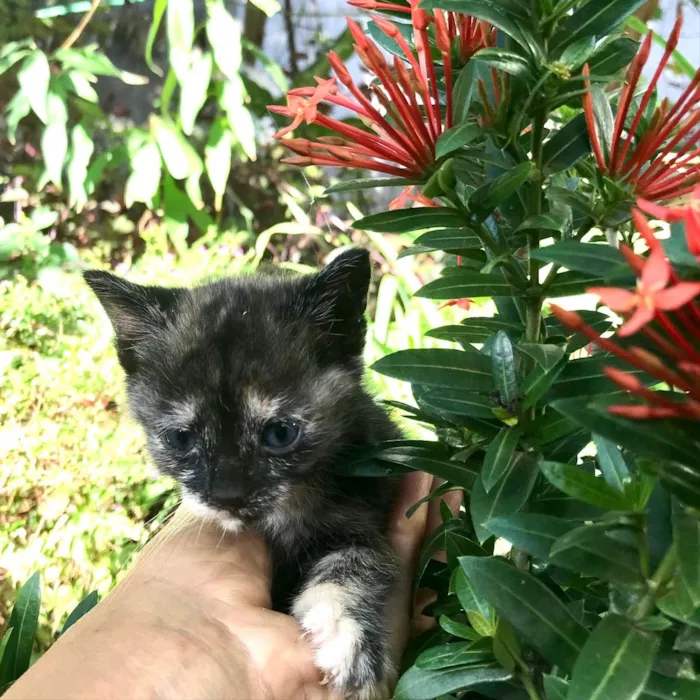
338, 640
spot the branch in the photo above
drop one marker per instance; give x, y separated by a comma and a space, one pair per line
75, 34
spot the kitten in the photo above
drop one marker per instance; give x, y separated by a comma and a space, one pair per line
249, 390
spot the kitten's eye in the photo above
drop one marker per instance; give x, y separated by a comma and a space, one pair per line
181, 440
280, 435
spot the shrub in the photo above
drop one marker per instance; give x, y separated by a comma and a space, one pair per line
524, 134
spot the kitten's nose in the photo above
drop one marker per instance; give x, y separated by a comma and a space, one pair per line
228, 497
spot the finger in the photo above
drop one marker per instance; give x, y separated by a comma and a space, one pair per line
406, 534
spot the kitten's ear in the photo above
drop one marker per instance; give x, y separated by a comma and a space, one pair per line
336, 298
135, 311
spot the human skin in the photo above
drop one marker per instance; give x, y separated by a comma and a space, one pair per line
192, 621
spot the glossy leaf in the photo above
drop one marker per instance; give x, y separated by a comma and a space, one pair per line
80, 610
530, 607
418, 684
597, 19
81, 151
455, 138
449, 239
507, 61
474, 330
224, 34
543, 222
33, 77
403, 220
567, 146
455, 654
489, 196
503, 367
613, 56
217, 159
686, 532
194, 89
180, 26
465, 285
239, 115
498, 456
660, 687
457, 629
572, 283
505, 498
531, 532
577, 483
23, 622
612, 464
463, 89
179, 156
615, 661
16, 110
452, 369
469, 597
158, 12
54, 138
603, 119
434, 543
453, 471
595, 259
538, 382
458, 403
555, 688
368, 183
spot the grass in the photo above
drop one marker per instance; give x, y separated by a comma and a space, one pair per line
77, 494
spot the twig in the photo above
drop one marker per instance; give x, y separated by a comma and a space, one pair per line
80, 28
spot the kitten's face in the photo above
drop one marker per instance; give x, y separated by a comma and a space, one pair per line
243, 386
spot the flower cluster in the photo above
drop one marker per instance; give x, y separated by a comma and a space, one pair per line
649, 163
664, 310
405, 119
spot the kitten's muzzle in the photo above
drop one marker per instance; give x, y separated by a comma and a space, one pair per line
228, 497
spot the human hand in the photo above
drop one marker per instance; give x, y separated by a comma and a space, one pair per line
193, 620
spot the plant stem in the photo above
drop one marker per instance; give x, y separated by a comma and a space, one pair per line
657, 585
80, 28
529, 686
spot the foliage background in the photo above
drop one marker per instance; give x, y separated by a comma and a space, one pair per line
77, 497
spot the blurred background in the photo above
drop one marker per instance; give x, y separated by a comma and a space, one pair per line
134, 136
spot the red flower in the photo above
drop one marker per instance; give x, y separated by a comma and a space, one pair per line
648, 163
464, 304
688, 212
407, 195
652, 296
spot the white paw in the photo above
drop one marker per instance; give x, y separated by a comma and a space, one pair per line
336, 639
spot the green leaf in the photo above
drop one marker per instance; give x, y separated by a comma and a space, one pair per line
597, 259
505, 498
590, 551
457, 629
503, 368
368, 183
474, 329
451, 470
575, 200
449, 239
180, 26
458, 403
452, 369
507, 61
489, 196
269, 7
613, 56
615, 661
545, 222
23, 621
459, 545
10, 54
462, 91
596, 18
469, 597
545, 356
83, 607
530, 607
538, 382
555, 688
575, 55
465, 284
403, 220
158, 12
54, 138
239, 115
434, 543
224, 34
217, 159
82, 148
455, 138
143, 182
179, 156
498, 456
686, 533
195, 85
567, 146
531, 532
612, 464
505, 15
575, 482
603, 119
665, 442
419, 684
572, 283
87, 59
437, 492
33, 77
454, 654
17, 109
660, 687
